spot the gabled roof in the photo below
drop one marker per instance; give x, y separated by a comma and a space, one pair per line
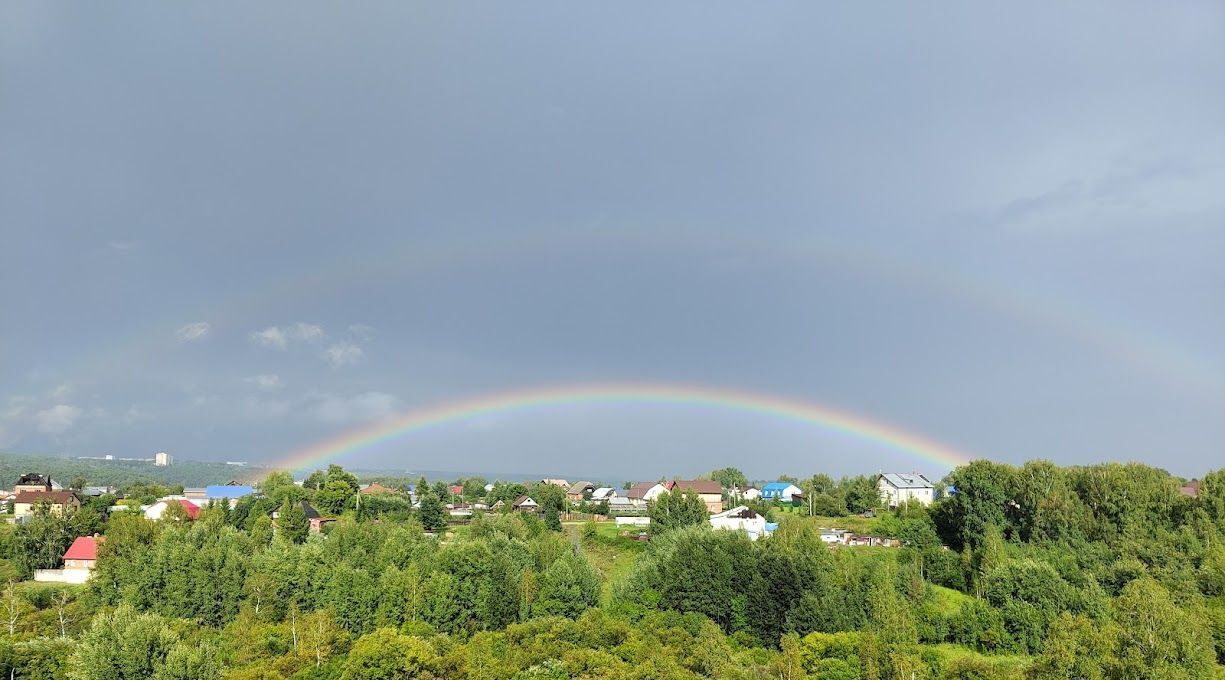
906, 481
603, 492
523, 500
374, 488
580, 487
556, 482
1191, 488
695, 485
777, 486
83, 548
738, 512
190, 508
639, 490
53, 497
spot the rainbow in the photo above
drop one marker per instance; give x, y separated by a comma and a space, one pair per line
784, 408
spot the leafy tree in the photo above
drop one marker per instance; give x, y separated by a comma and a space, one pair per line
549, 496
40, 541
729, 477
1159, 639
432, 514
983, 491
261, 531
386, 653
122, 645
552, 519
860, 493
278, 486
190, 662
474, 487
334, 497
673, 509
293, 522
568, 587
1077, 648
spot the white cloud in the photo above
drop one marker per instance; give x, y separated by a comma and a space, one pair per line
343, 353
270, 337
308, 332
279, 338
192, 331
267, 382
365, 407
58, 419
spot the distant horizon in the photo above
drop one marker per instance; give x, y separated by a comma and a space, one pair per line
506, 476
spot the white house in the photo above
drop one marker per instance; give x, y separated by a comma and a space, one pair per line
643, 492
840, 536
748, 493
740, 518
155, 511
896, 488
604, 493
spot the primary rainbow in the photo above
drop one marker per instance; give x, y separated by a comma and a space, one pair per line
785, 408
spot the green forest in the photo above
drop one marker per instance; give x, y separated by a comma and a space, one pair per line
1034, 571
121, 473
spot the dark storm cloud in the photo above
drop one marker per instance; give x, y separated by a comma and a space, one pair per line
477, 197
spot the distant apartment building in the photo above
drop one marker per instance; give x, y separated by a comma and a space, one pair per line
162, 459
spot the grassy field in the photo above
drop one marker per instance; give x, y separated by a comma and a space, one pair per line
950, 601
863, 525
612, 554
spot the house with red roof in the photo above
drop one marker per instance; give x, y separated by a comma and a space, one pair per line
83, 553
155, 511
79, 561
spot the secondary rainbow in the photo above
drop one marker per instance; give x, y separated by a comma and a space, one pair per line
784, 408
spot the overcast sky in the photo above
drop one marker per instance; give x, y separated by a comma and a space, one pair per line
232, 231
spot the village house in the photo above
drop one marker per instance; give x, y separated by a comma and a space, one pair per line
643, 492
579, 491
603, 494
740, 518
524, 504
896, 488
376, 489
59, 503
157, 510
711, 492
785, 492
744, 493
556, 482
835, 536
35, 482
316, 521
79, 562
1191, 488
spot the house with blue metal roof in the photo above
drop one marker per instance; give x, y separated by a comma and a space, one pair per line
231, 491
780, 491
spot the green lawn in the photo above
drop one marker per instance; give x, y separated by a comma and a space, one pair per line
863, 525
948, 600
610, 553
1007, 665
